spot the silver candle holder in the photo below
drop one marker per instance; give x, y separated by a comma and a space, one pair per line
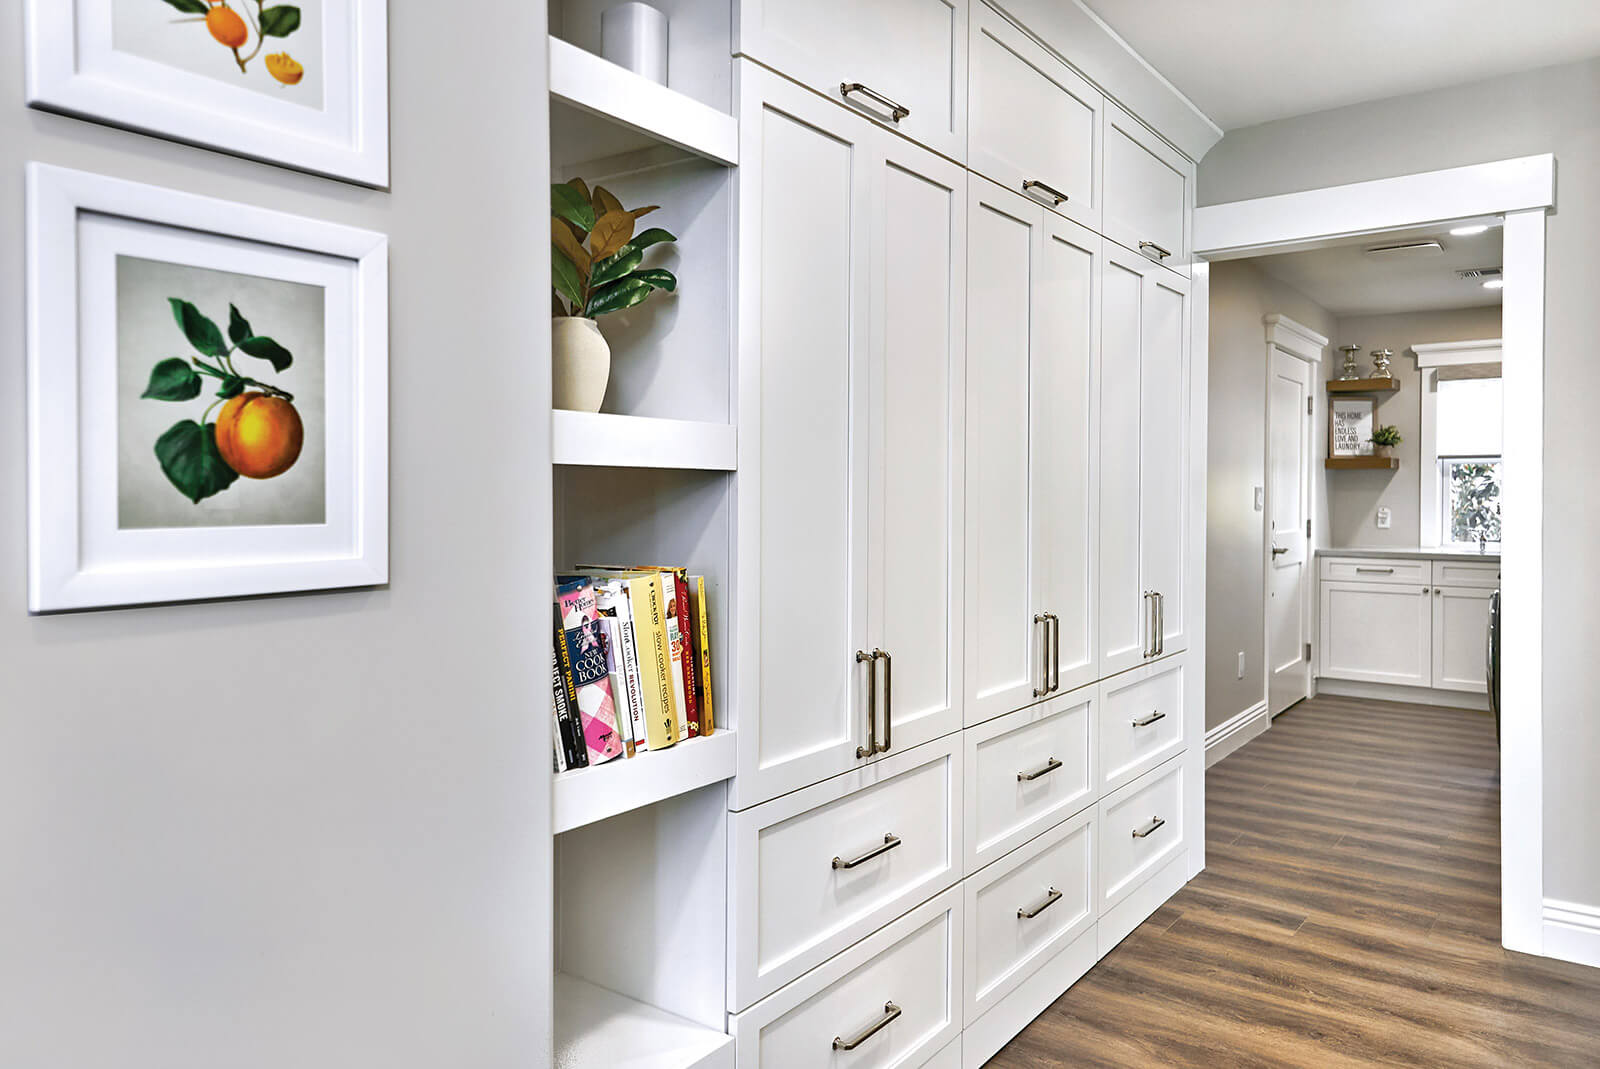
1380, 363
1349, 372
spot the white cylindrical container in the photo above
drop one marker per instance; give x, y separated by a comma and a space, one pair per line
634, 35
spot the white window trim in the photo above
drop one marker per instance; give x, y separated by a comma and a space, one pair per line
1431, 356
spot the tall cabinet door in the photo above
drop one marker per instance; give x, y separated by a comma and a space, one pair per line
1004, 666
1163, 453
804, 410
1124, 610
918, 345
1065, 370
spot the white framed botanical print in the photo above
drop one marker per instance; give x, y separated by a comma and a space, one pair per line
301, 83
207, 397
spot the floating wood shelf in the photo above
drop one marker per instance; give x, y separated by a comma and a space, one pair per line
1364, 386
1361, 463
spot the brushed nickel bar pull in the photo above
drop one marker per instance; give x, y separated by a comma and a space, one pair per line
896, 111
1149, 625
890, 1012
1146, 721
1051, 899
872, 706
1161, 624
1375, 571
1043, 770
1029, 184
889, 843
888, 700
1052, 631
1157, 249
1044, 654
1148, 829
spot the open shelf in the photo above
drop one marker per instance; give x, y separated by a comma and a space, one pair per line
585, 81
586, 795
1361, 463
601, 439
1363, 385
600, 1029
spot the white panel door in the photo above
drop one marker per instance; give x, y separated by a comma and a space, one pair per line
1125, 619
1065, 361
803, 291
910, 53
1288, 508
1034, 124
1146, 192
918, 346
1163, 455
1004, 666
1460, 635
1377, 632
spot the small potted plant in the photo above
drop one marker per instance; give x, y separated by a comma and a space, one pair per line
1384, 439
595, 268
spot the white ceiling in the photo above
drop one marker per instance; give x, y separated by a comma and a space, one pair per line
1347, 281
1244, 62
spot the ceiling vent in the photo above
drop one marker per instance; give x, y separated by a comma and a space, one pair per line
1408, 250
1478, 273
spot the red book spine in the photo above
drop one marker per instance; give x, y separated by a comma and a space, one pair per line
691, 717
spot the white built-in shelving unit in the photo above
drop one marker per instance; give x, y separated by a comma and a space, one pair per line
641, 843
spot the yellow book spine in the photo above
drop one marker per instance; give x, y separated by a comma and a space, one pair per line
655, 659
707, 721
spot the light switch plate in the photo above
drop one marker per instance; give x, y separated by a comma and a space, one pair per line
1261, 498
1241, 664
1383, 518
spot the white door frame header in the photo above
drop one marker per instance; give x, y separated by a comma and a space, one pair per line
1296, 339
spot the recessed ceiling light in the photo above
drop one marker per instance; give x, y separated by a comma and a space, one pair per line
1468, 231
1494, 284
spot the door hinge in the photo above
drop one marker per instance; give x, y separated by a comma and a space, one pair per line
1308, 528
1308, 651
1308, 406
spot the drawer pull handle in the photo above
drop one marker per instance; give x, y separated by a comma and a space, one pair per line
896, 111
1146, 721
1043, 770
890, 1012
1051, 899
1148, 829
889, 843
1161, 253
1051, 191
1376, 571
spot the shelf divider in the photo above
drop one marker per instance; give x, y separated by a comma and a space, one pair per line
586, 795
600, 439
600, 1029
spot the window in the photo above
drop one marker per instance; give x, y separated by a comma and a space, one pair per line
1467, 449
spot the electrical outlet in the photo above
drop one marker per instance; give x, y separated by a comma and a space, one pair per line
1261, 498
1383, 518
1241, 664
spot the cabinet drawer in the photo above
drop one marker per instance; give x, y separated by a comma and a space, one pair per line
816, 870
1147, 191
1026, 771
913, 966
1032, 120
1051, 878
1141, 721
911, 53
1482, 574
1140, 829
1376, 570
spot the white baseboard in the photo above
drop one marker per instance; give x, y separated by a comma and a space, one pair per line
1235, 731
1572, 932
1391, 692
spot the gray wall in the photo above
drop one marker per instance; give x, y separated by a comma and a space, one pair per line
1555, 110
1354, 497
309, 830
1241, 294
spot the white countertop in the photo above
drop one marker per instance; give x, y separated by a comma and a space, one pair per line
1409, 553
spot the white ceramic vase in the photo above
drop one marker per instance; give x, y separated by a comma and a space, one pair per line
580, 362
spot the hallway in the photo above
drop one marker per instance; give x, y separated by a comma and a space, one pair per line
1348, 915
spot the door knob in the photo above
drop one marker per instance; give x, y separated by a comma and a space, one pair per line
1279, 550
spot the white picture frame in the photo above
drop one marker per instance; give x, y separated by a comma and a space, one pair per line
82, 230
74, 66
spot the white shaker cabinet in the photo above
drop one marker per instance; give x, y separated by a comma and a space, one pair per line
902, 63
1032, 444
1460, 635
1143, 525
852, 357
1034, 125
1377, 632
1148, 187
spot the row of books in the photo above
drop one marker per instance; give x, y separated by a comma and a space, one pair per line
632, 662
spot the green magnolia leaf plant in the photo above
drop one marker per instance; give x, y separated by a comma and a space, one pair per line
596, 257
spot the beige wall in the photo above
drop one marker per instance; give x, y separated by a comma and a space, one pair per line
1554, 110
1241, 295
1354, 497
309, 830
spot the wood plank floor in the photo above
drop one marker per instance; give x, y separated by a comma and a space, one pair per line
1349, 914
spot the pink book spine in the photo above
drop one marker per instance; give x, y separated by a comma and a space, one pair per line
583, 633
